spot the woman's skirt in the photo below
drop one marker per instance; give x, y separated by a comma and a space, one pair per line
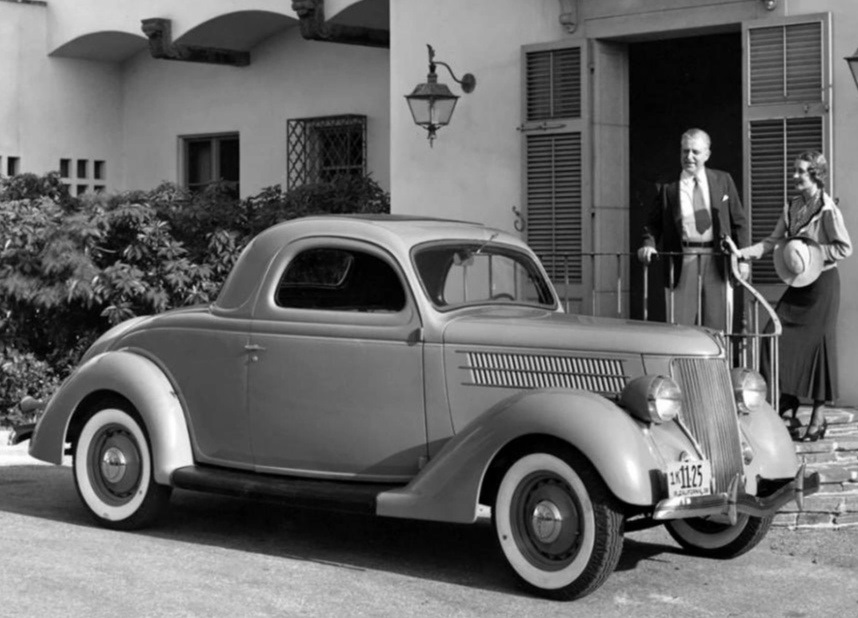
807, 348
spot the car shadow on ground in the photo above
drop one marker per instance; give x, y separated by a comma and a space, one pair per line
459, 554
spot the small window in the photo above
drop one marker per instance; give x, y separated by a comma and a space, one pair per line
98, 170
321, 149
13, 166
82, 168
65, 168
81, 189
209, 159
340, 280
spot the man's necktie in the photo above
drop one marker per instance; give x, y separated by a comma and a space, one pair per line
702, 219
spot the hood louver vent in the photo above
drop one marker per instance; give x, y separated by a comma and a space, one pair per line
599, 375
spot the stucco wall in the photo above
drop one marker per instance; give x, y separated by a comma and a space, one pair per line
53, 108
473, 170
288, 78
130, 114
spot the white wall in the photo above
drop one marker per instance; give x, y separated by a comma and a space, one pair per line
52, 108
288, 78
473, 170
131, 114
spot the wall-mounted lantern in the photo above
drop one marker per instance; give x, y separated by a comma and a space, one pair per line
431, 103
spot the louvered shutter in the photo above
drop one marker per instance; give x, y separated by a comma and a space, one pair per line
787, 113
553, 163
554, 203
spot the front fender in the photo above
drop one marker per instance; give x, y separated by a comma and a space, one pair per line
138, 380
774, 451
448, 488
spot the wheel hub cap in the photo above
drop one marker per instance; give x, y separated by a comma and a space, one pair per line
113, 465
547, 521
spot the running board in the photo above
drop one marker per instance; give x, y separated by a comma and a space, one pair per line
351, 497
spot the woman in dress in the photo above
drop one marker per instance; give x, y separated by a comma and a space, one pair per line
808, 314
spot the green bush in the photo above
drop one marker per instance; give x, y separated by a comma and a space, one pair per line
22, 374
71, 268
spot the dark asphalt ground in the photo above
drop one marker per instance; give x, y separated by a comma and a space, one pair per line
217, 556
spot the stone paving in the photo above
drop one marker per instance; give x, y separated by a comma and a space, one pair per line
836, 459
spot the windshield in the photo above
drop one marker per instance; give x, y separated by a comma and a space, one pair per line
464, 273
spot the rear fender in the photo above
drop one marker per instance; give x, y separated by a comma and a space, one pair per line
140, 381
448, 488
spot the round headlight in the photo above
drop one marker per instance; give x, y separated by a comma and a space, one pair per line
654, 399
750, 389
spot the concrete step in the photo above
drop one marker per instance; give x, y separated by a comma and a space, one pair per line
835, 458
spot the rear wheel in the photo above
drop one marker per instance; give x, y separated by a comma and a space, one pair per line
557, 525
712, 539
113, 471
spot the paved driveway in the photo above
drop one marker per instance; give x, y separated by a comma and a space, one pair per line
217, 556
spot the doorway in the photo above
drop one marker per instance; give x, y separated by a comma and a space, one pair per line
676, 84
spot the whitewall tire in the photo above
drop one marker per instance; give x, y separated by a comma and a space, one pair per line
557, 525
719, 540
113, 471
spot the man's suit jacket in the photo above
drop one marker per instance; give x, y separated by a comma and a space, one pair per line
664, 224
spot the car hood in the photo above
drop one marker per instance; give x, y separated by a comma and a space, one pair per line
531, 328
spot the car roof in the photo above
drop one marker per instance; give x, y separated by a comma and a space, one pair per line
396, 233
390, 231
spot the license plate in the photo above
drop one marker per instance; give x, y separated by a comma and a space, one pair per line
689, 478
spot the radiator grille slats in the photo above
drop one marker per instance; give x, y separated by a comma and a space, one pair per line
709, 412
600, 375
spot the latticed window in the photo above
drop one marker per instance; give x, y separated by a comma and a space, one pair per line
320, 149
787, 113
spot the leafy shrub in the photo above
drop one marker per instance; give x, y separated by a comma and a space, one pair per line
22, 374
70, 268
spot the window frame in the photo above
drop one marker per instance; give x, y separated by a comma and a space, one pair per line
214, 138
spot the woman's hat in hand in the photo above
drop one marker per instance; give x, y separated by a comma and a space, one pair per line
798, 261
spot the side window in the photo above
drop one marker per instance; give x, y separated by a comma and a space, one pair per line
340, 280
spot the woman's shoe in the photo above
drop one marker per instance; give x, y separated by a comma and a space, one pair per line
813, 436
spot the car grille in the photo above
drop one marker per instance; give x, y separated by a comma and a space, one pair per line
709, 412
599, 375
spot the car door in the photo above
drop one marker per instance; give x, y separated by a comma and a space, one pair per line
336, 375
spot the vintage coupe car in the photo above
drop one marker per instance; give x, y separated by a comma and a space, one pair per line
421, 368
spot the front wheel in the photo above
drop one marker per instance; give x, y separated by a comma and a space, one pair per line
712, 539
557, 525
113, 471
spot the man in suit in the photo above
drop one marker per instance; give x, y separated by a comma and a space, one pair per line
688, 218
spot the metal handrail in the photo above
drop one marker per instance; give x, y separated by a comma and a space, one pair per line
746, 344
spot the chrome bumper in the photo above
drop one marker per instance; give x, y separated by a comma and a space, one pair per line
731, 503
